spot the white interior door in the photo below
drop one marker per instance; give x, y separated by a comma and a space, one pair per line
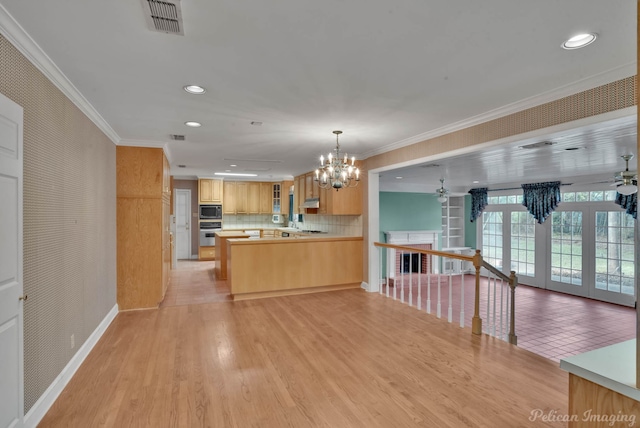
11, 303
183, 223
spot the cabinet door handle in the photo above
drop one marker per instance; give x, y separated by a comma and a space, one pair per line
21, 298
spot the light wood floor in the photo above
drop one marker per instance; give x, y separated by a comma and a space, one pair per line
336, 359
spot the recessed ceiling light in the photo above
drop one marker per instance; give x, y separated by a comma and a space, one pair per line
475, 182
193, 124
195, 89
233, 164
235, 174
579, 41
398, 178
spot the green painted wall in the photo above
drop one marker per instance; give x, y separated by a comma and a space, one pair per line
409, 211
418, 211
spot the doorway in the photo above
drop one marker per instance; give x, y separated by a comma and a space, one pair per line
183, 223
11, 270
585, 247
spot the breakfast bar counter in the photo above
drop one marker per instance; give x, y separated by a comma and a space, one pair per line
221, 247
280, 266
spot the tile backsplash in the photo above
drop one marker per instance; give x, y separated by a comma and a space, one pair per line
350, 225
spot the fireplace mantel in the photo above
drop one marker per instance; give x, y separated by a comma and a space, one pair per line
410, 238
404, 237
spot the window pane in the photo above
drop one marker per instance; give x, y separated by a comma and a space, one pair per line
615, 252
566, 247
523, 243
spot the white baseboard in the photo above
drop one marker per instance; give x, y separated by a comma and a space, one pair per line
44, 403
364, 285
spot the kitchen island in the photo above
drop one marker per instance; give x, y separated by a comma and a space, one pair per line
281, 266
221, 247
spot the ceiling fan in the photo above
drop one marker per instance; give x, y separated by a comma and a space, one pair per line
626, 181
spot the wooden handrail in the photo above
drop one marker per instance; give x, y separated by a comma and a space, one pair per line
423, 251
495, 271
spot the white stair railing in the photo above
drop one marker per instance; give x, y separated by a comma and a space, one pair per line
412, 285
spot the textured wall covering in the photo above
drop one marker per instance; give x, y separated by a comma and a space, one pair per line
602, 99
69, 222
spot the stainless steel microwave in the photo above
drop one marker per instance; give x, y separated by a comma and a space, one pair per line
210, 212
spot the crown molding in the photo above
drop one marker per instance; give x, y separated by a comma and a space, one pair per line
143, 143
609, 76
18, 37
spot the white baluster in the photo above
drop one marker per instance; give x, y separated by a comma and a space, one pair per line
495, 284
488, 328
395, 279
411, 279
402, 278
389, 253
429, 284
450, 311
380, 249
508, 321
462, 301
501, 307
439, 304
419, 281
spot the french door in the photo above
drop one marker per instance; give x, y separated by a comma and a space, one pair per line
585, 249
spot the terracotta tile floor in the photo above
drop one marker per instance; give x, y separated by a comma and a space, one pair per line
550, 324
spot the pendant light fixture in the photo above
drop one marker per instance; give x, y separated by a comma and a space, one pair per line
336, 171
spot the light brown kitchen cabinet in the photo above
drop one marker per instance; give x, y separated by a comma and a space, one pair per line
315, 188
299, 194
229, 193
346, 201
143, 196
210, 191
308, 185
343, 202
284, 195
241, 197
266, 198
206, 253
253, 198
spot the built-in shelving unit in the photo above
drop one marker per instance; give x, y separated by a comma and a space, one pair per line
453, 234
453, 222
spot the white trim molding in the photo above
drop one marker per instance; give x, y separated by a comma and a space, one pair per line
46, 400
13, 31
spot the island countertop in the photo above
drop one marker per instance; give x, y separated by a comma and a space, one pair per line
280, 266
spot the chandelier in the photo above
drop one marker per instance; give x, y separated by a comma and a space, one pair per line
442, 192
335, 171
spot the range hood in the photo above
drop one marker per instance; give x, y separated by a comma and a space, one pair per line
311, 203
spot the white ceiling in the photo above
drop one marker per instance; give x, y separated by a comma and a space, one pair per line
383, 72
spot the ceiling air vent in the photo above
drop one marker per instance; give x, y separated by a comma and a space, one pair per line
163, 16
177, 137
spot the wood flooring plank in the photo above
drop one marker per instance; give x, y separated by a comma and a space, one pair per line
336, 359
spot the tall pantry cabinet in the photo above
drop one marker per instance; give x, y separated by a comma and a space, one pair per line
143, 207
